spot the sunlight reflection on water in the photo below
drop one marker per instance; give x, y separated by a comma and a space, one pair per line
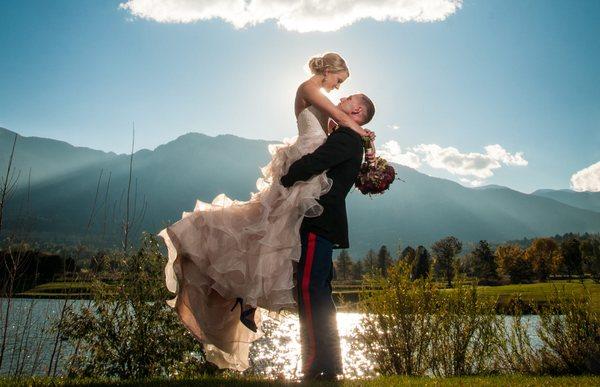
277, 354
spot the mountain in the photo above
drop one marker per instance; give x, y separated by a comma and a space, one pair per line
425, 209
585, 200
168, 179
491, 186
66, 179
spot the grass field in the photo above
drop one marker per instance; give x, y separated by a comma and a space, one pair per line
513, 380
538, 292
70, 289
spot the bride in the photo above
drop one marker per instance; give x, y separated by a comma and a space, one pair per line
231, 252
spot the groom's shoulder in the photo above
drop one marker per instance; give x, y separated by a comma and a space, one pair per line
347, 135
347, 132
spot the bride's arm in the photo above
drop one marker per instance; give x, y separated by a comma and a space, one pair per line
313, 95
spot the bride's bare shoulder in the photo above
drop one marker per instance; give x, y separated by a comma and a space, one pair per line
301, 102
307, 87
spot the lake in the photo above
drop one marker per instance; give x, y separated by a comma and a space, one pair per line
29, 351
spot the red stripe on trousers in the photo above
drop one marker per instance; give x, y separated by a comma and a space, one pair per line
310, 253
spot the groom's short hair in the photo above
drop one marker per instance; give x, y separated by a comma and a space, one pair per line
369, 108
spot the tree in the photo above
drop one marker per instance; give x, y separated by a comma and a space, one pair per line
445, 250
398, 252
571, 255
343, 265
512, 263
422, 262
408, 255
544, 256
357, 270
370, 263
590, 251
484, 262
384, 260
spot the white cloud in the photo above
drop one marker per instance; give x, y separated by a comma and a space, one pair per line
457, 163
394, 127
472, 182
498, 153
588, 179
391, 151
292, 15
473, 168
479, 165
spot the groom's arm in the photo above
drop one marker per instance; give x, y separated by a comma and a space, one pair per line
337, 148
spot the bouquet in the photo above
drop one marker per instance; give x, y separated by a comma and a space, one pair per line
375, 175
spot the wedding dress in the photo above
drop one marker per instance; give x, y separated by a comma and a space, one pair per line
229, 248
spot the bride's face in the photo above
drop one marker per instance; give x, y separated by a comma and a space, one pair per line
333, 80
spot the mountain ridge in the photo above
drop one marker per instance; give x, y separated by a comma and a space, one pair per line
196, 166
580, 199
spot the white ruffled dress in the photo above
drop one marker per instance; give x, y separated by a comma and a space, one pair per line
229, 248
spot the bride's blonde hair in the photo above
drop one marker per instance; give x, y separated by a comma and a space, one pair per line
332, 61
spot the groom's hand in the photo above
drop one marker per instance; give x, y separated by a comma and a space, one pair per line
370, 133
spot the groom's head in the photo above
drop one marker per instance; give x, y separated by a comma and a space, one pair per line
359, 107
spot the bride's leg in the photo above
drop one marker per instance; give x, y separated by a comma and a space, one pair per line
246, 314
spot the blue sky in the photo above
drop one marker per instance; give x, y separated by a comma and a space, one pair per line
522, 75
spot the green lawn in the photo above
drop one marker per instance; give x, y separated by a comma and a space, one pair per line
539, 292
59, 289
513, 380
536, 293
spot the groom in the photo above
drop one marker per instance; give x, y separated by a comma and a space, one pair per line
341, 155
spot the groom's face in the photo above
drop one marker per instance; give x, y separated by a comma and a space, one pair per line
352, 106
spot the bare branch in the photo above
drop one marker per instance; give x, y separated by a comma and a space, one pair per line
126, 224
95, 200
6, 183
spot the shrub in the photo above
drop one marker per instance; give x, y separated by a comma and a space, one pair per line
127, 330
415, 328
570, 330
398, 322
466, 333
514, 350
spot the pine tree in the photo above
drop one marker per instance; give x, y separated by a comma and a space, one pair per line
422, 263
590, 250
383, 260
408, 255
484, 262
343, 266
398, 253
445, 250
370, 263
571, 255
357, 270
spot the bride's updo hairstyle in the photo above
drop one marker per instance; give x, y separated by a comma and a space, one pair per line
332, 61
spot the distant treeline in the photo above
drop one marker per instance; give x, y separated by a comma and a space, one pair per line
23, 268
27, 265
525, 261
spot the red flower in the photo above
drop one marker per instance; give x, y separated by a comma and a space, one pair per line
375, 178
